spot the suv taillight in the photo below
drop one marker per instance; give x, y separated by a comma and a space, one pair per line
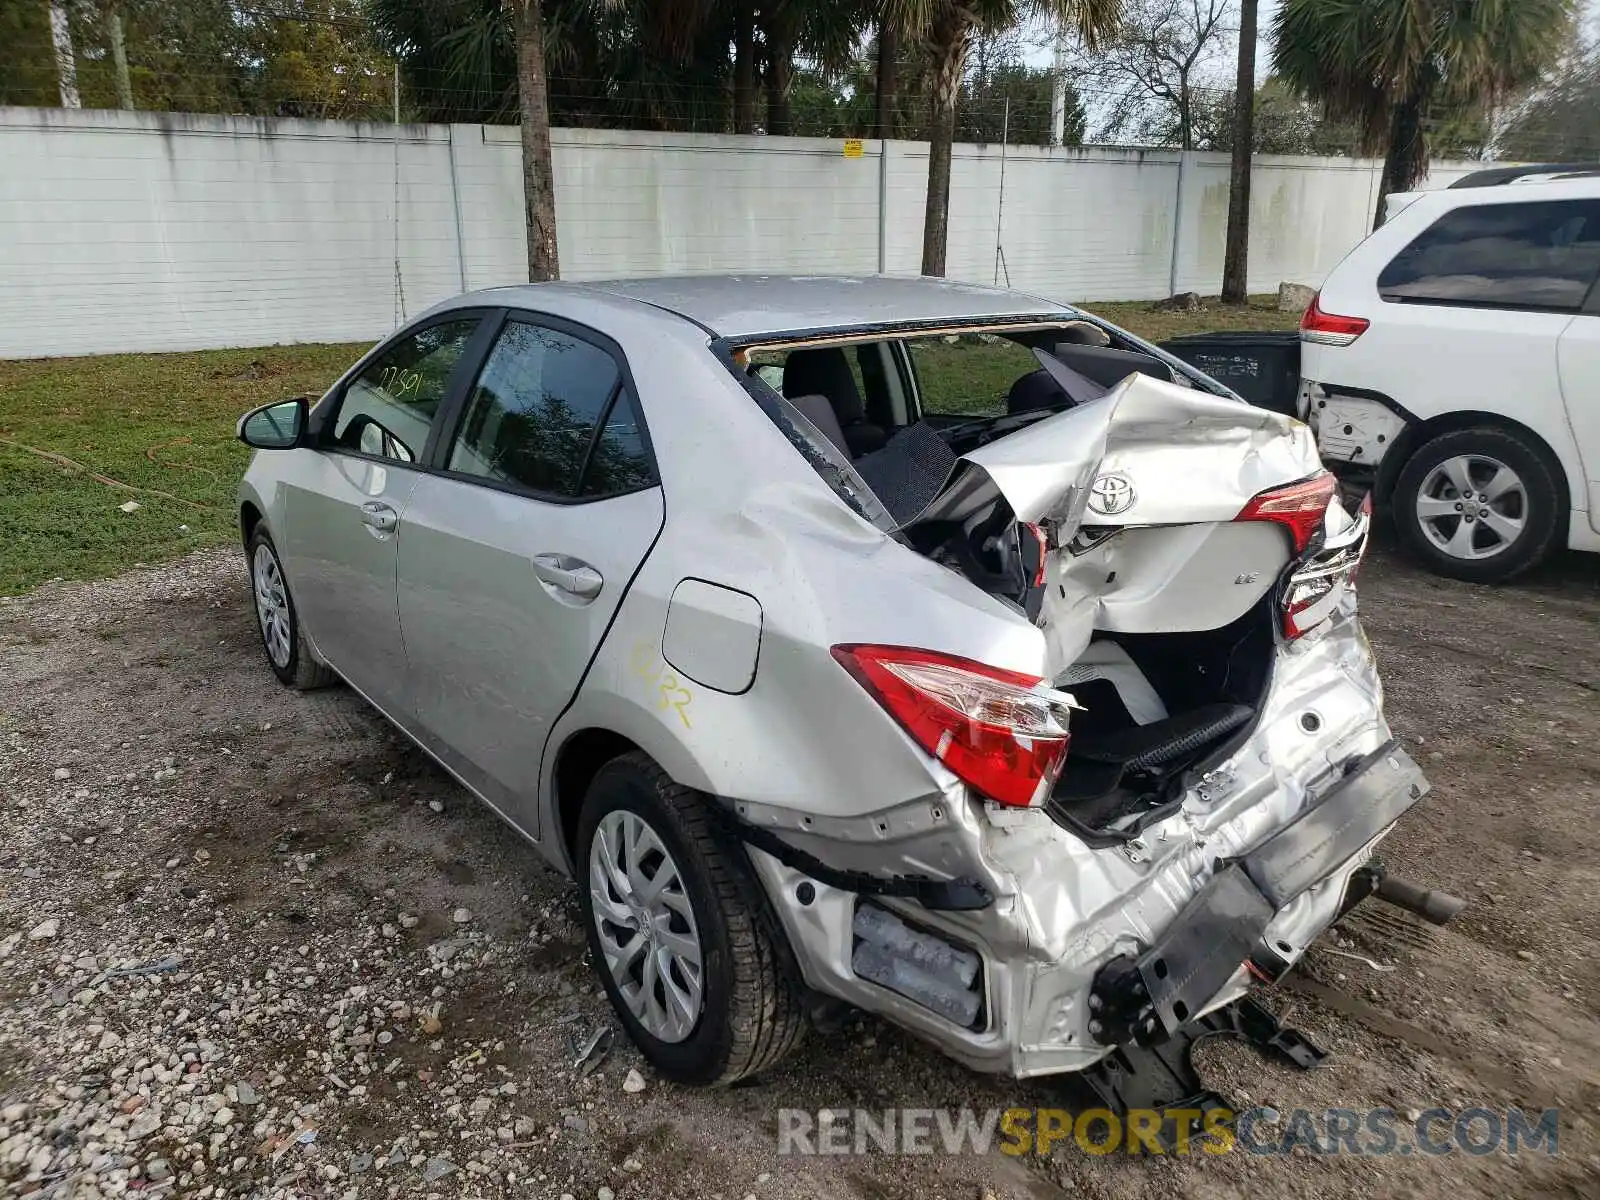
1298, 507
1329, 329
1002, 732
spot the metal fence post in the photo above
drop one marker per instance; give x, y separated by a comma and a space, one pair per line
883, 206
455, 207
1177, 223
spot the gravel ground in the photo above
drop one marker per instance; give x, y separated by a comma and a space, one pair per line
253, 944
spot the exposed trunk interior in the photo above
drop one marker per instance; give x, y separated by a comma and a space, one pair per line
1157, 706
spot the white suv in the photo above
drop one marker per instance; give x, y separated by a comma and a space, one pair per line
1454, 358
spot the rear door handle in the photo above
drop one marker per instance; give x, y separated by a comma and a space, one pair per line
568, 574
379, 516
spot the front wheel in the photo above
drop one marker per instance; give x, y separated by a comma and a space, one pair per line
287, 653
1481, 505
680, 931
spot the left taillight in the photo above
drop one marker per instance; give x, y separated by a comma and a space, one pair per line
1002, 732
1322, 328
1298, 507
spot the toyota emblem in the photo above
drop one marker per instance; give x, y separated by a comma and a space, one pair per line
1111, 494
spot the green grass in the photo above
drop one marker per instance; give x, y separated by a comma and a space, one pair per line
157, 423
1156, 326
973, 376
163, 423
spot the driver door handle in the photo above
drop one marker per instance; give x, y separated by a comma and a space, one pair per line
568, 574
379, 516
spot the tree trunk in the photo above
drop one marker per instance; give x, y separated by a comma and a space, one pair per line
1236, 255
538, 176
66, 60
119, 59
888, 50
780, 76
949, 42
1406, 163
744, 69
1185, 114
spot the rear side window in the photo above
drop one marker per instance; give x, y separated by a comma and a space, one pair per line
551, 414
1539, 255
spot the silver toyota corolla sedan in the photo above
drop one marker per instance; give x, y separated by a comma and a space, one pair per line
933, 649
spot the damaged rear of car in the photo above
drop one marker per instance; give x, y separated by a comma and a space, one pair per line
1040, 732
893, 643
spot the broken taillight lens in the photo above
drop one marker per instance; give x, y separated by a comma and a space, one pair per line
1036, 562
1002, 732
1318, 583
1298, 507
1329, 329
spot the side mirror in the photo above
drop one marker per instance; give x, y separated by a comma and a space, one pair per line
280, 426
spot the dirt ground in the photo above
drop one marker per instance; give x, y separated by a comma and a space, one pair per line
355, 982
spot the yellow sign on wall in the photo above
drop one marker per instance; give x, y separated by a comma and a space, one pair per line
854, 148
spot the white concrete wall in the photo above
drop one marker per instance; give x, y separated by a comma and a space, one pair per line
147, 231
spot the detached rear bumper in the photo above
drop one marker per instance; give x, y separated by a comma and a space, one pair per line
1257, 858
1147, 998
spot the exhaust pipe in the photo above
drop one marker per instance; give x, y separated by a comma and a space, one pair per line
1430, 904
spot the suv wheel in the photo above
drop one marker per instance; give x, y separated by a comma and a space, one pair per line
680, 931
1478, 504
287, 653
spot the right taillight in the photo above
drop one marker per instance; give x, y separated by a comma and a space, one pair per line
1002, 732
1298, 507
1329, 329
1320, 580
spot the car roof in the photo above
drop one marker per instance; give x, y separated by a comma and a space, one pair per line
1525, 190
1540, 173
744, 306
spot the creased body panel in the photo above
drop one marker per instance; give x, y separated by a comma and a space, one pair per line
1062, 908
1190, 457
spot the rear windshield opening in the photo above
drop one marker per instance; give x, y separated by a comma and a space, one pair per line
885, 417
861, 391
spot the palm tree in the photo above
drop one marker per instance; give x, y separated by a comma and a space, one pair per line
827, 33
538, 172
1392, 66
948, 27
485, 59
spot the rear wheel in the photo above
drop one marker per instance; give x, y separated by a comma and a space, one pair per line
680, 931
287, 653
1478, 504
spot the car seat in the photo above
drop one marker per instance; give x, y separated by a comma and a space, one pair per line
826, 372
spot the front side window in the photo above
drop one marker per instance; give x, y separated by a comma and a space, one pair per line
1536, 255
551, 414
387, 409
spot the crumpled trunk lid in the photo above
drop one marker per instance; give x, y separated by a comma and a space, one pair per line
1162, 455
1136, 495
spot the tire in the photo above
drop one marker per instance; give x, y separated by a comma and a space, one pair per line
288, 655
749, 1012
1515, 531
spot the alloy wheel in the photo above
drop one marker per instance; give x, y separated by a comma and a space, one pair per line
1472, 506
646, 926
272, 605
